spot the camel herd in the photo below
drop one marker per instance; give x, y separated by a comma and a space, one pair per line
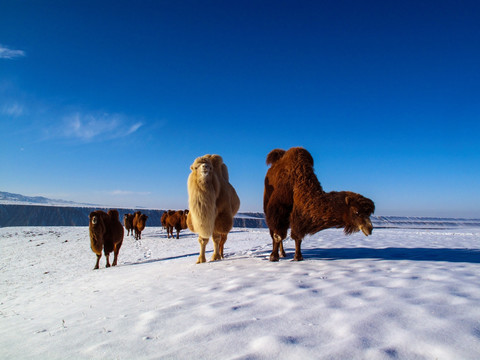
293, 198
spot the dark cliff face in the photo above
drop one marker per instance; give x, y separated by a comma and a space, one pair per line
38, 215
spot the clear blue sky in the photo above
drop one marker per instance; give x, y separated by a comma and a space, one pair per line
109, 102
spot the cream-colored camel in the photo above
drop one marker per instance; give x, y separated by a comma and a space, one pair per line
213, 203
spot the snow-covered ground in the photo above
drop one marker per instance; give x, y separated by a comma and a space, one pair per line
399, 294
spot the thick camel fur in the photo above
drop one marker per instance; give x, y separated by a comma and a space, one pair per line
213, 203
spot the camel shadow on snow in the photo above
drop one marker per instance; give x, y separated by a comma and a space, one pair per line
394, 253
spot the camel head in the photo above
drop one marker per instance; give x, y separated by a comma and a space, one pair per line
357, 216
96, 222
93, 218
203, 167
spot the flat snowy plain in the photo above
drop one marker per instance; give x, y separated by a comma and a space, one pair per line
398, 294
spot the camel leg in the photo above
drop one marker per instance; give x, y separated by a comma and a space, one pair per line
274, 255
178, 234
276, 243
98, 261
223, 240
203, 243
278, 220
282, 251
298, 251
108, 260
115, 253
217, 238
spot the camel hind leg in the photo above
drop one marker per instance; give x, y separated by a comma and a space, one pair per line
278, 221
217, 239
115, 253
223, 240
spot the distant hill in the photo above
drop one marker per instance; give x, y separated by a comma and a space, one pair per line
7, 198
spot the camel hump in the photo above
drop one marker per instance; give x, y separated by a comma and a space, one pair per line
274, 155
114, 214
301, 155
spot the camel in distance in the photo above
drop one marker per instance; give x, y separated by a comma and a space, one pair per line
293, 198
139, 222
106, 233
175, 220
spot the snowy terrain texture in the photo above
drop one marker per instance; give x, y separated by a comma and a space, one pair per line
398, 294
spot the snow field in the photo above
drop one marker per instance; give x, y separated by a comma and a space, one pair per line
398, 294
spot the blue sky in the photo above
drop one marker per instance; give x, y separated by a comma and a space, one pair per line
109, 102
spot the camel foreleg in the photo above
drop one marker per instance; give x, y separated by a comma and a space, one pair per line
108, 260
97, 265
282, 251
203, 243
277, 243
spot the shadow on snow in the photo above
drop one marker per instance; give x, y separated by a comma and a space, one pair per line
415, 254
148, 261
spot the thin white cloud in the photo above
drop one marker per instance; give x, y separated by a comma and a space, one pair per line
104, 126
134, 128
13, 110
6, 53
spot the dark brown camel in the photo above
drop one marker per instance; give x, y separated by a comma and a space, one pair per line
293, 198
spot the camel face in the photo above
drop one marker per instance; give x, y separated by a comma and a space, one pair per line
204, 169
367, 227
360, 211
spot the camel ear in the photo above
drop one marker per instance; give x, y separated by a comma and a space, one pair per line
347, 200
